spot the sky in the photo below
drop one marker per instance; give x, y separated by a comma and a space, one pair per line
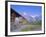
27, 10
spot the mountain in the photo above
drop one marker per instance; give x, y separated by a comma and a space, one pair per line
38, 17
34, 19
30, 19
